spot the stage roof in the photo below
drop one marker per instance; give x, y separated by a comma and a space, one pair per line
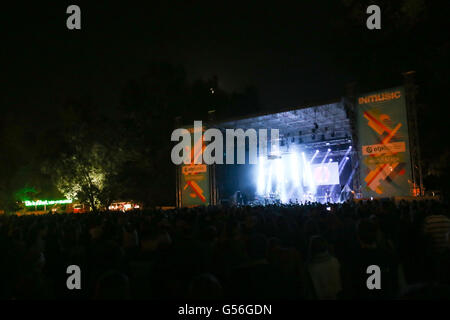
314, 126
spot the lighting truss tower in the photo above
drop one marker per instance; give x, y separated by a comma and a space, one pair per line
350, 107
411, 109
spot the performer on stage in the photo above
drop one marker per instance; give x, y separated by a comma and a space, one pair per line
239, 198
327, 196
347, 193
310, 197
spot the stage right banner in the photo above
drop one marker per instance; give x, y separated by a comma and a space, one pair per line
382, 127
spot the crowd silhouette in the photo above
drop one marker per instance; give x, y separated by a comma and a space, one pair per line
283, 252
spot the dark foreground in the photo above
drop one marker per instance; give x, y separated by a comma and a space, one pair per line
287, 252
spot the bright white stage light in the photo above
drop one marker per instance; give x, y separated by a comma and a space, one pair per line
295, 172
261, 179
307, 174
279, 172
269, 178
314, 156
325, 157
342, 165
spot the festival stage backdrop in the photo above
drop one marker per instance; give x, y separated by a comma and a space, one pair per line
383, 144
194, 178
325, 173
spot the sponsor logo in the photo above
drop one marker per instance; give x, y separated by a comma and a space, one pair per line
394, 147
380, 97
194, 169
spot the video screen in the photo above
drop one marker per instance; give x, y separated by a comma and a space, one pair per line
325, 173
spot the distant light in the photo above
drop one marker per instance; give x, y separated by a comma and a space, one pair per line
327, 143
330, 160
46, 202
212, 90
350, 147
349, 140
317, 151
346, 158
329, 150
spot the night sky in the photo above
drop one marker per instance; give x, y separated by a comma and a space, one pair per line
286, 52
289, 53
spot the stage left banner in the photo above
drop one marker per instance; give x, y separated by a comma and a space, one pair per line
385, 165
194, 178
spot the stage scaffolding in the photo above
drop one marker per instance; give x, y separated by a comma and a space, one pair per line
411, 107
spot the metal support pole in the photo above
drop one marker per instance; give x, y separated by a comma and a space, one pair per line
411, 107
350, 105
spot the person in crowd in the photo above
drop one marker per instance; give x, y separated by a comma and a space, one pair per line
278, 251
323, 271
205, 287
367, 258
436, 226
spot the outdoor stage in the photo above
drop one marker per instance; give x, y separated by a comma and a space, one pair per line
315, 161
365, 147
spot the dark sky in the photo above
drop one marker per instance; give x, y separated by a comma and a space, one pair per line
282, 51
304, 52
290, 53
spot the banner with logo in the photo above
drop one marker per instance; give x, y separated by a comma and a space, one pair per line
383, 144
194, 178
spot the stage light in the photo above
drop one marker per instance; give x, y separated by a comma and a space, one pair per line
331, 160
307, 174
325, 157
342, 164
269, 180
350, 147
280, 179
261, 176
295, 172
314, 156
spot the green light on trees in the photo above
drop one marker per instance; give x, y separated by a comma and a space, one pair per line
46, 202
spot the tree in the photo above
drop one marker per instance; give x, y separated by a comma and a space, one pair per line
88, 156
88, 174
